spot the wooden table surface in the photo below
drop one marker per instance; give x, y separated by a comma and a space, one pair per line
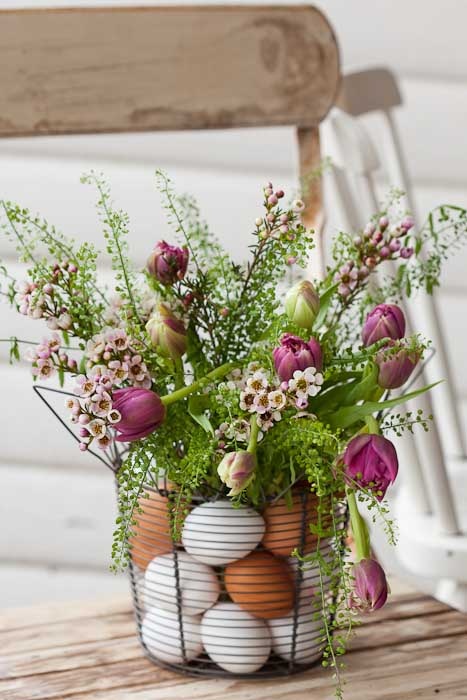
414, 648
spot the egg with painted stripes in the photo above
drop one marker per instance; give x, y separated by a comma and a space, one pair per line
218, 533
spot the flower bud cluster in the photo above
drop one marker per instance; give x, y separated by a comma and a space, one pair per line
377, 242
276, 223
266, 398
92, 408
44, 299
115, 354
47, 358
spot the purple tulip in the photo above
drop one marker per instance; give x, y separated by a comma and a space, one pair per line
385, 321
396, 368
295, 353
167, 263
370, 462
167, 333
236, 470
142, 412
370, 586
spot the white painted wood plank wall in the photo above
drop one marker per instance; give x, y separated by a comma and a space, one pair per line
57, 507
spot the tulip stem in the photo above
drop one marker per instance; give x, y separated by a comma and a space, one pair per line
372, 425
195, 386
359, 528
254, 430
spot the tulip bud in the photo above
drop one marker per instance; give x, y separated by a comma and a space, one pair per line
295, 353
167, 263
236, 470
141, 410
395, 369
385, 321
167, 333
302, 304
370, 586
370, 462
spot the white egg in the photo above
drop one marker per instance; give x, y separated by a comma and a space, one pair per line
197, 583
307, 637
234, 639
160, 633
216, 533
310, 575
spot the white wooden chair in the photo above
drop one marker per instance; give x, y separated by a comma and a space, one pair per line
432, 516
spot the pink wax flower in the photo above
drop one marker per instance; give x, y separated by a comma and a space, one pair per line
396, 368
385, 321
167, 263
370, 586
296, 354
141, 410
370, 462
236, 470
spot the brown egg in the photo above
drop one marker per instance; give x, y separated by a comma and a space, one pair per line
288, 527
261, 584
152, 532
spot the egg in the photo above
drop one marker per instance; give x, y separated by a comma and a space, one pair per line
261, 584
308, 635
152, 532
310, 574
197, 583
288, 527
216, 533
234, 639
160, 633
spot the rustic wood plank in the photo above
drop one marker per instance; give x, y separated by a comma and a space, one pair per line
60, 634
139, 69
407, 671
94, 655
20, 618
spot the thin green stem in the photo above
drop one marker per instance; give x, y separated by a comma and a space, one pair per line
372, 425
108, 213
187, 390
13, 339
254, 431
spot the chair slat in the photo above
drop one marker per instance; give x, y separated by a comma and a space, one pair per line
164, 68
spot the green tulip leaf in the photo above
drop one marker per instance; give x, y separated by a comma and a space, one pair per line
324, 303
197, 406
348, 415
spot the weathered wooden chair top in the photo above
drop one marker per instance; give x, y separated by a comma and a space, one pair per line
98, 70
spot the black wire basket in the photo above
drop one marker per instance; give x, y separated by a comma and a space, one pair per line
220, 594
216, 590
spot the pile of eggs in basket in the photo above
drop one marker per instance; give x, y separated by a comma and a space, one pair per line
229, 588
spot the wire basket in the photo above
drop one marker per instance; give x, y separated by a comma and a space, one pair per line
224, 596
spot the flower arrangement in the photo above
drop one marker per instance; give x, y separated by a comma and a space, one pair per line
218, 378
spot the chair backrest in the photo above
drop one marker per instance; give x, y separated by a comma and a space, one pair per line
376, 90
72, 71
357, 157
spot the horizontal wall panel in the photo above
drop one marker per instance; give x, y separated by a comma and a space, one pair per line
56, 516
24, 585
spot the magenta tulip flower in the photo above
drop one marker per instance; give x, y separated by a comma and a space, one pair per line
370, 586
167, 263
141, 410
395, 369
236, 470
295, 353
385, 321
370, 462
